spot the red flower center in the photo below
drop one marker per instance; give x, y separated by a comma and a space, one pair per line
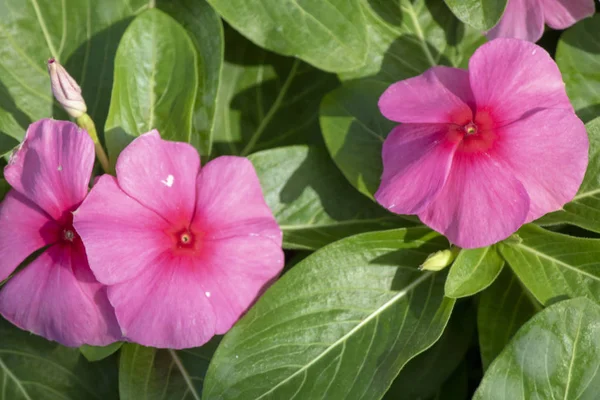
474, 136
185, 240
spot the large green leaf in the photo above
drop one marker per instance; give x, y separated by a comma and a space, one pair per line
266, 100
502, 309
578, 57
80, 34
556, 355
328, 34
472, 271
340, 324
584, 209
32, 368
406, 37
311, 200
425, 374
206, 31
156, 82
480, 14
146, 373
354, 131
554, 266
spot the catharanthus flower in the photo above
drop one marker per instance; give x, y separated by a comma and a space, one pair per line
482, 152
524, 19
66, 90
56, 295
184, 251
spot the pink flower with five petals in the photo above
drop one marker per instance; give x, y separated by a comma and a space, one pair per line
184, 251
524, 19
56, 295
481, 152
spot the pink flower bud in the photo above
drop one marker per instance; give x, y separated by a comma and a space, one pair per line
66, 91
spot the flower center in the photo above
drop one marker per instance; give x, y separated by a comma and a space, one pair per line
68, 235
470, 128
185, 238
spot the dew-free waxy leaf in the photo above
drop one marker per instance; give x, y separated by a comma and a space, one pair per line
311, 200
329, 34
32, 368
340, 324
556, 355
480, 14
472, 271
554, 266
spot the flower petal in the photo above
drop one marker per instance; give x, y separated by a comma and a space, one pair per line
416, 164
52, 167
548, 153
234, 272
230, 202
440, 95
481, 203
561, 14
121, 236
161, 175
24, 228
511, 78
522, 19
57, 297
165, 306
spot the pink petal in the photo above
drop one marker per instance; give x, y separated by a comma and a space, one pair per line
511, 78
561, 14
24, 228
522, 19
548, 153
57, 297
416, 164
440, 95
121, 236
481, 203
230, 202
52, 167
161, 175
165, 306
234, 272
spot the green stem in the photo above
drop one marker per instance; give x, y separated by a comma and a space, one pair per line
86, 122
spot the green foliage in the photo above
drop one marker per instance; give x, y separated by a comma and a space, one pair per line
480, 14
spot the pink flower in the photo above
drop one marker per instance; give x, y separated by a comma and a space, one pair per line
524, 19
56, 295
482, 152
184, 251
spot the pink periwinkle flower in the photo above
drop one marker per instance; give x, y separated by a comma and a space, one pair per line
184, 251
524, 19
56, 295
481, 152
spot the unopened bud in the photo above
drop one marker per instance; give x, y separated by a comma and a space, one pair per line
66, 91
440, 259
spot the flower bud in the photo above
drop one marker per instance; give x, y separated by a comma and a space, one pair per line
66, 91
440, 259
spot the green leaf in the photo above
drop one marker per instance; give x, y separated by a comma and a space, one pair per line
206, 32
32, 368
472, 271
146, 373
480, 14
555, 266
502, 309
340, 324
82, 36
327, 34
156, 82
354, 131
311, 200
96, 353
425, 374
584, 209
578, 57
406, 37
266, 100
556, 355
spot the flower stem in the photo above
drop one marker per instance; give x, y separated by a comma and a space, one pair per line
86, 122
